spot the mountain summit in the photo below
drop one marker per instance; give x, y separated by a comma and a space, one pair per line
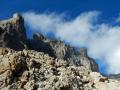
44, 64
13, 35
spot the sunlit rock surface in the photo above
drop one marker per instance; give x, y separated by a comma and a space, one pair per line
44, 64
12, 33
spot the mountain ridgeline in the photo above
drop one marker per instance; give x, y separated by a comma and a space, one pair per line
44, 64
13, 35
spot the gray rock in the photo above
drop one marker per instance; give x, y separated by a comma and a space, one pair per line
48, 65
12, 33
59, 49
30, 72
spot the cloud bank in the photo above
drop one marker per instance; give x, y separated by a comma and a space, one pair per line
102, 40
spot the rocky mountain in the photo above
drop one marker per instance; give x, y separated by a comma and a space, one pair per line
59, 49
12, 33
44, 64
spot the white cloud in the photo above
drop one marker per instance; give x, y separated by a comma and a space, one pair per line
102, 40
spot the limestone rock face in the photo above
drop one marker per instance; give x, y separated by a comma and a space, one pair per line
12, 33
44, 64
31, 70
58, 49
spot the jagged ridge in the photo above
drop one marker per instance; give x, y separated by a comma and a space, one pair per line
44, 64
13, 35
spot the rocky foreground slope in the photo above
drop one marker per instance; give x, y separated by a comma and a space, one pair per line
31, 70
44, 64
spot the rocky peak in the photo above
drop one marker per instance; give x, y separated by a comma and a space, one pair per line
17, 16
59, 49
13, 33
19, 23
47, 65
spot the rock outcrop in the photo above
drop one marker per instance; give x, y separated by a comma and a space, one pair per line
31, 70
59, 49
12, 33
44, 64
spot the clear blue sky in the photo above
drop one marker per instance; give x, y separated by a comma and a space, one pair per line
109, 8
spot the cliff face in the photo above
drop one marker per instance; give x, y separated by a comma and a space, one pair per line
44, 64
12, 33
59, 49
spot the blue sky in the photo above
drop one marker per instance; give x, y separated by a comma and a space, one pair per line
109, 9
